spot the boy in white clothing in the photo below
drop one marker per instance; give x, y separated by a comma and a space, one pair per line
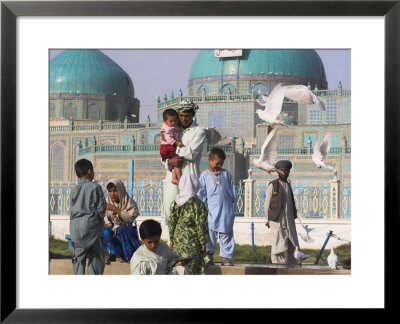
153, 257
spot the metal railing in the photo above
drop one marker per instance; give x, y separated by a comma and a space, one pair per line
149, 199
295, 150
311, 202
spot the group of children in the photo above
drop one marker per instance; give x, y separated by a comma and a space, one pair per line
202, 213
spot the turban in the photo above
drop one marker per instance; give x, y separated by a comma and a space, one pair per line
186, 105
283, 164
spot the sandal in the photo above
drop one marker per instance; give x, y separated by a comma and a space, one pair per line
227, 262
107, 259
209, 259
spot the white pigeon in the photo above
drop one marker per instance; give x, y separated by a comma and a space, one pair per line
300, 256
268, 154
273, 106
321, 151
306, 236
250, 172
302, 94
332, 259
133, 115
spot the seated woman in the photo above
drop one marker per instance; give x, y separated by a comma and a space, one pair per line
120, 237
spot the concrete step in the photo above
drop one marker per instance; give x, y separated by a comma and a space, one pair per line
64, 267
274, 269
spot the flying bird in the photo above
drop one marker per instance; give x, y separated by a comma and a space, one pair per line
273, 102
321, 151
302, 94
133, 115
300, 256
332, 259
268, 154
273, 106
305, 236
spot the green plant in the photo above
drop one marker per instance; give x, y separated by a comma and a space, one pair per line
59, 249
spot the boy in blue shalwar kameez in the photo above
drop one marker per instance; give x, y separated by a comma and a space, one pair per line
217, 192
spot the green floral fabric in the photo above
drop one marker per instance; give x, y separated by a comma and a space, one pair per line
188, 229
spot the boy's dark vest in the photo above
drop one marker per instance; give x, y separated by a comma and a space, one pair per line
275, 205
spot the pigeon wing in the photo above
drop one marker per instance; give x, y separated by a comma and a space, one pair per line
325, 146
317, 156
275, 101
299, 93
319, 102
269, 150
262, 100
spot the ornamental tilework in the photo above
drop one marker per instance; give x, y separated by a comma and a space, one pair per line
331, 114
238, 119
309, 135
345, 111
104, 140
146, 182
127, 137
303, 114
143, 164
335, 138
215, 119
57, 163
315, 117
287, 140
347, 167
305, 167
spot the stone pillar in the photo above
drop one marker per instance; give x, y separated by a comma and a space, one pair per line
233, 144
248, 197
241, 145
334, 198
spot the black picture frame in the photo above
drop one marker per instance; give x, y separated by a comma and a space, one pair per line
10, 10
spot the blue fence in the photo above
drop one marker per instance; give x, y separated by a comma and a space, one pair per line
345, 208
149, 198
239, 206
310, 201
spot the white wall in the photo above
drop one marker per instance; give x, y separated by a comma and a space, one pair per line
242, 230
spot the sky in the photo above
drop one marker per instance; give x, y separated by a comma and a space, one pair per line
158, 72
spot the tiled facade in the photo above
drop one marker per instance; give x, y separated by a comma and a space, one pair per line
90, 126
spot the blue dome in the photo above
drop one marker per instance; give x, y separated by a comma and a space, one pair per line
88, 71
304, 63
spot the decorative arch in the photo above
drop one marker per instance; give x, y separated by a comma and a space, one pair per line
52, 110
260, 89
93, 111
202, 90
70, 110
228, 89
113, 113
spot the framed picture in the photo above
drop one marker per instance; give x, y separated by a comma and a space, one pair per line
28, 294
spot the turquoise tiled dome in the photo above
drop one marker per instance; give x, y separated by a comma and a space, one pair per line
88, 71
303, 63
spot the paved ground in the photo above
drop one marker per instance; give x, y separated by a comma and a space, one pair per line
64, 267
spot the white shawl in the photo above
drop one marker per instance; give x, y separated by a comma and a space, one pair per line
189, 185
